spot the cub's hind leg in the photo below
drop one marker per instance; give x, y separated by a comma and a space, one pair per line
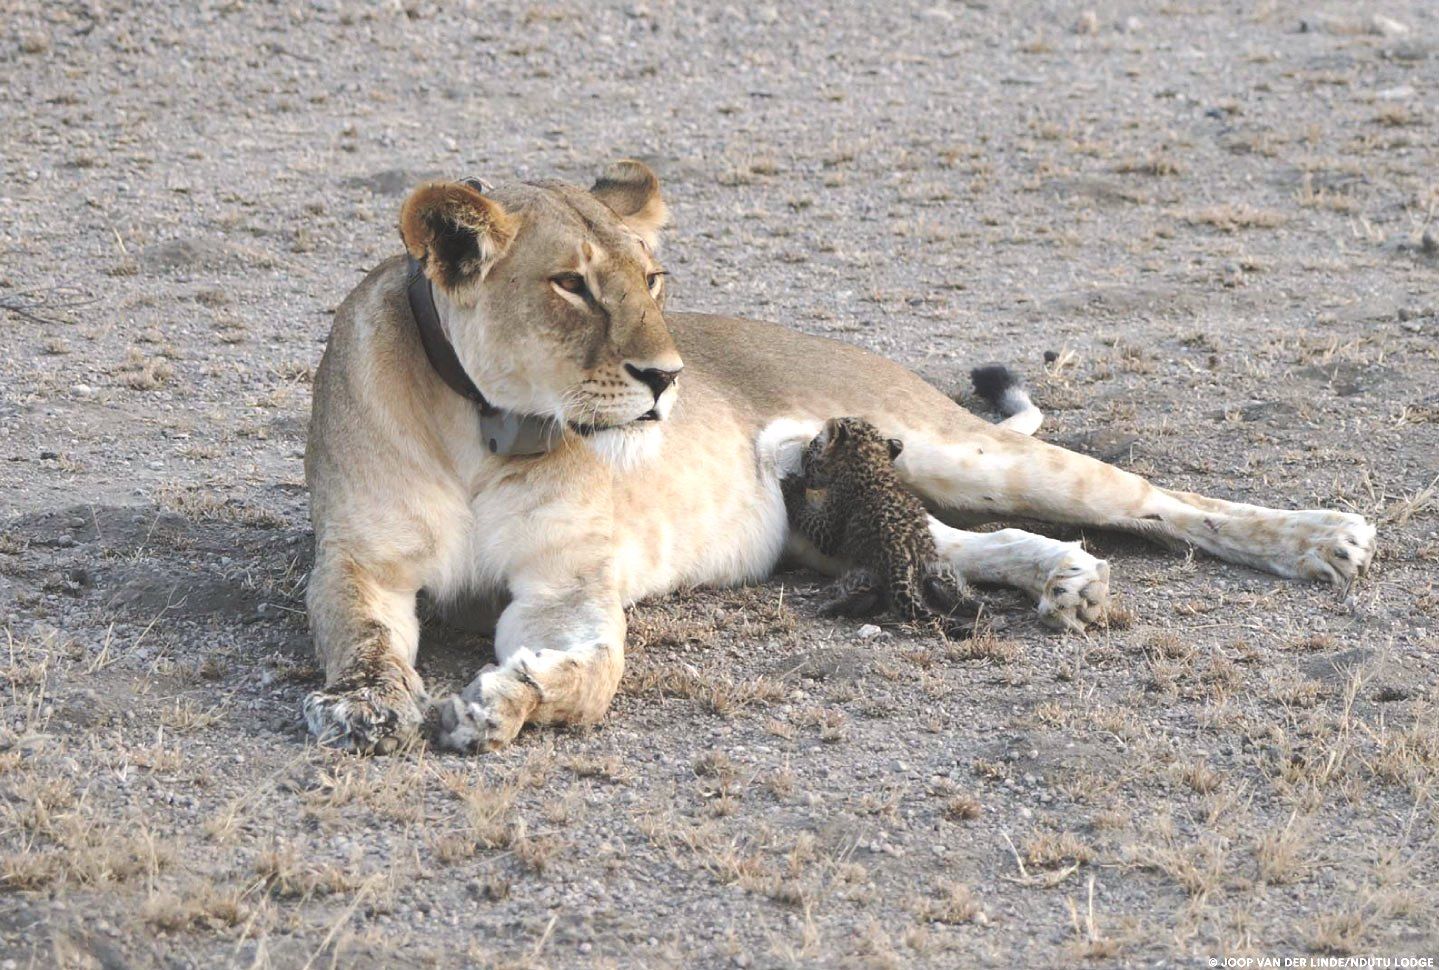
858, 592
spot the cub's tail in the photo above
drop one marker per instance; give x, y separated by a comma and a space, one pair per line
1005, 392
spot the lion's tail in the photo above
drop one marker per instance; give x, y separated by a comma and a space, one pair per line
1005, 392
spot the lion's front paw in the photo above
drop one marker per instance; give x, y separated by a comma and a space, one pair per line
466, 726
1076, 593
374, 714
487, 715
1333, 547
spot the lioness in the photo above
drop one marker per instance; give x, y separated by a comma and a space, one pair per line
664, 475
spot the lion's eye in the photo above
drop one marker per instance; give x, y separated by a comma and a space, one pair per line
570, 283
654, 280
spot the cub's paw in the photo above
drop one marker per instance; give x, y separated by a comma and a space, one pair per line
1332, 547
371, 714
1076, 592
485, 716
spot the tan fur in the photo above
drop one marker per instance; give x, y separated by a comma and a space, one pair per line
405, 497
632, 191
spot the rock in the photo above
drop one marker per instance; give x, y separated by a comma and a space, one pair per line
1275, 413
196, 252
1387, 26
1087, 24
35, 43
825, 663
81, 390
1108, 446
389, 181
868, 632
1346, 378
1402, 93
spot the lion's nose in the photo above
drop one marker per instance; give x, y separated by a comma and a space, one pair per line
658, 381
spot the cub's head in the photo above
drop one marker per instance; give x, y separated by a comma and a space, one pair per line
552, 296
847, 447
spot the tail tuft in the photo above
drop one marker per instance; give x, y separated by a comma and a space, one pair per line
1005, 392
992, 382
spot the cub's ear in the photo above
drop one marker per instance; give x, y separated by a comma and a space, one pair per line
455, 232
633, 192
895, 447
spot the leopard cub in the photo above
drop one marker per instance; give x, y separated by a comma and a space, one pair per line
848, 501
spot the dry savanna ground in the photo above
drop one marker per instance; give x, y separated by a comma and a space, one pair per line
1204, 230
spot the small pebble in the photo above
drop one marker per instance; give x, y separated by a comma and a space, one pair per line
35, 43
1387, 26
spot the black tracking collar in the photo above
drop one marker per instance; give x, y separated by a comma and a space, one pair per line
432, 335
504, 432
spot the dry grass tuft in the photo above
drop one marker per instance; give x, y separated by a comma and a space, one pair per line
1280, 854
951, 903
202, 907
1229, 217
962, 808
1159, 163
984, 645
141, 373
1201, 777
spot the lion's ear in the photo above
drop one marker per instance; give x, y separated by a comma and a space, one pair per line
455, 232
633, 192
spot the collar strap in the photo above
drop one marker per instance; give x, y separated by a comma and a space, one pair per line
503, 432
432, 335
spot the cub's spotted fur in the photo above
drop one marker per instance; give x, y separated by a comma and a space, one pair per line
849, 502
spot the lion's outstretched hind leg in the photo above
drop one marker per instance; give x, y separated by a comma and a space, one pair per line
985, 471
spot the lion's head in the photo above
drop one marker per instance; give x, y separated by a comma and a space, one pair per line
552, 297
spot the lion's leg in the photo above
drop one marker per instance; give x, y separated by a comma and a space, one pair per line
560, 653
1070, 586
366, 634
997, 474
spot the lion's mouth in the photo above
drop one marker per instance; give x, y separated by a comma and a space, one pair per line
586, 430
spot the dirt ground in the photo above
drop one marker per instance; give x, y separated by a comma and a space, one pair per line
1217, 220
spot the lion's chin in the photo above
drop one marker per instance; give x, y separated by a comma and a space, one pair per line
628, 446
